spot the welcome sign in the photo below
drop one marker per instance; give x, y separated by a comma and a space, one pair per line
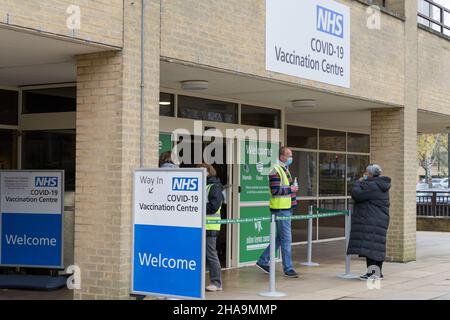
169, 232
309, 39
31, 218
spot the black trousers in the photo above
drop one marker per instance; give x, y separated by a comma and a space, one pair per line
373, 263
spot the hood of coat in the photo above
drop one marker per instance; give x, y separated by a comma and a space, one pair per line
169, 165
384, 183
213, 180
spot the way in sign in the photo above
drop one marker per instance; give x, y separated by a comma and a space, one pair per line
151, 181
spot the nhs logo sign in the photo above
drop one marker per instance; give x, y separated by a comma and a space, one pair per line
184, 184
329, 21
46, 182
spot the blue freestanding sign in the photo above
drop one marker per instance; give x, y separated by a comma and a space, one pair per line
31, 219
169, 233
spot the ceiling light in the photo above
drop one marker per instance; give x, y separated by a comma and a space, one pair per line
165, 103
306, 103
194, 85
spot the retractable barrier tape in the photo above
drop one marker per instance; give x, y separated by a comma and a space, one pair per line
322, 210
326, 214
236, 221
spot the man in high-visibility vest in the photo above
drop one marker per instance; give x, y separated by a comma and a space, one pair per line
283, 198
213, 207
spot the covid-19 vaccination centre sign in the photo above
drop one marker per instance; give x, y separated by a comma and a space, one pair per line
31, 219
309, 39
169, 233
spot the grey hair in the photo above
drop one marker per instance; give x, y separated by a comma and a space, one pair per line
374, 169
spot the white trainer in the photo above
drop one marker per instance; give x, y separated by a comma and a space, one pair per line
213, 288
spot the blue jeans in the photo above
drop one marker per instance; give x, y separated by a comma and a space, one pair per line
283, 240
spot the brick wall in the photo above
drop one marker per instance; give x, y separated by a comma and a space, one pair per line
108, 140
390, 148
231, 35
434, 73
101, 20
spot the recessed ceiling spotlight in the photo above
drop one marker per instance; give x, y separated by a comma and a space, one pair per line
194, 85
305, 103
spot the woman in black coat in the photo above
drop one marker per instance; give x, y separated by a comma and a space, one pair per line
370, 219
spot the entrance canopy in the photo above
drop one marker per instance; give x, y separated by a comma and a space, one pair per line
28, 58
341, 111
431, 122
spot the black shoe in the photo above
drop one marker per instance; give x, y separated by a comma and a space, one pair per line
371, 276
365, 277
265, 269
291, 274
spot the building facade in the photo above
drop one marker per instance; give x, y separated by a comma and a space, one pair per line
98, 88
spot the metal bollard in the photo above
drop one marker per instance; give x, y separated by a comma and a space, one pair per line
272, 290
347, 274
309, 262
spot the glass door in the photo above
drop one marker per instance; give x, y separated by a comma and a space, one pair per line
8, 149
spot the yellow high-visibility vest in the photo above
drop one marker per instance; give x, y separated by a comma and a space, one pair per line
211, 217
279, 202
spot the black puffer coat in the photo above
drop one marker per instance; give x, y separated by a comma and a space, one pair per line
370, 218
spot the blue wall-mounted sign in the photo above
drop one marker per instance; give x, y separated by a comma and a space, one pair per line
31, 219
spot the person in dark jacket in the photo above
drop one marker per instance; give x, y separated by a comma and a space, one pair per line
370, 220
213, 207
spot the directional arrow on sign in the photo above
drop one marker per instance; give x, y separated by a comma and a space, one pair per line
150, 190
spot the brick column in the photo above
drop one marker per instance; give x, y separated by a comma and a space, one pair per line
394, 147
108, 144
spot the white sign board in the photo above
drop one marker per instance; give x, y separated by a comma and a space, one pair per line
31, 218
309, 39
169, 232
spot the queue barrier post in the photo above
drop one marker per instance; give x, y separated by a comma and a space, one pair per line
272, 286
348, 274
309, 262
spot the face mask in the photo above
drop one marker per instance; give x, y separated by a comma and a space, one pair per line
366, 177
289, 161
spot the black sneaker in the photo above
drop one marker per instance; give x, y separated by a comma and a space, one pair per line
365, 277
265, 269
371, 276
291, 274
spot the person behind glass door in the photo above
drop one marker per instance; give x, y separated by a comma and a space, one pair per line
370, 220
283, 198
167, 160
213, 207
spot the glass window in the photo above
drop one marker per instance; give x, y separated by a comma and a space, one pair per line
332, 140
300, 227
208, 110
50, 150
9, 101
305, 169
260, 117
300, 137
333, 227
166, 105
331, 174
358, 143
8, 149
356, 165
50, 100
